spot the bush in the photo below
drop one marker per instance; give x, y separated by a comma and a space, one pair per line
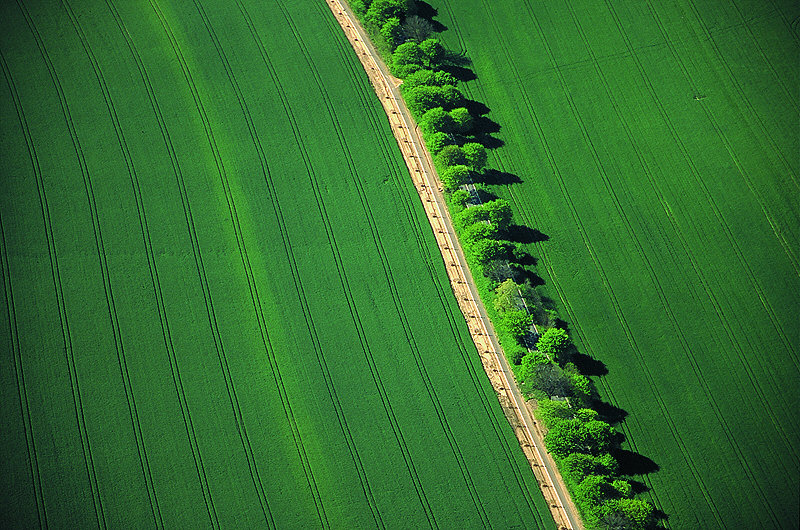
515, 323
437, 141
454, 176
517, 354
392, 33
437, 120
460, 198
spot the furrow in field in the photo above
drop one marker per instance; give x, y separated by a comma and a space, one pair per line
391, 415
603, 275
255, 298
698, 178
407, 201
30, 441
317, 346
792, 25
77, 399
119, 346
677, 328
452, 441
166, 331
764, 131
722, 317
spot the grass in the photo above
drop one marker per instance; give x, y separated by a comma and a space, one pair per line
222, 304
657, 148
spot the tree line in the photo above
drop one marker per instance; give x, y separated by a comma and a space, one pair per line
579, 440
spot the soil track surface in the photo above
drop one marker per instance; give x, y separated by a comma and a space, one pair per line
426, 182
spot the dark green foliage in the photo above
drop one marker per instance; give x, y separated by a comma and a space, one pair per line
552, 412
417, 28
437, 120
578, 436
554, 342
434, 53
593, 491
428, 78
454, 176
550, 379
634, 514
624, 488
422, 98
450, 155
392, 33
516, 355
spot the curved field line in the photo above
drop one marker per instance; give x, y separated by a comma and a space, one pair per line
255, 298
30, 440
709, 293
330, 387
351, 302
119, 346
413, 222
604, 278
174, 366
718, 214
469, 482
72, 368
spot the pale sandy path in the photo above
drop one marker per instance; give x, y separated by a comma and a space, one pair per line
426, 182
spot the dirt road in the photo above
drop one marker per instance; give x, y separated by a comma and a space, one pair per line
426, 182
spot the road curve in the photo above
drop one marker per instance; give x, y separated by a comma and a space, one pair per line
426, 182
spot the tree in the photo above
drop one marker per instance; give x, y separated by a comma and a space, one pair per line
486, 250
437, 141
462, 120
380, 11
422, 98
392, 33
478, 231
578, 436
437, 120
516, 323
550, 379
407, 59
551, 412
623, 487
450, 155
460, 198
476, 155
639, 514
454, 176
442, 78
434, 53
421, 77
499, 270
594, 490
450, 96
578, 466
498, 212
554, 342
512, 295
417, 28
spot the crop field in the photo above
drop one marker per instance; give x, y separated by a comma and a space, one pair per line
656, 145
222, 305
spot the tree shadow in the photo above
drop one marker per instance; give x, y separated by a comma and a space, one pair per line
588, 366
521, 233
476, 108
631, 463
427, 11
609, 413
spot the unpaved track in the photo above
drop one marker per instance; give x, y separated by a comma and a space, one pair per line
426, 182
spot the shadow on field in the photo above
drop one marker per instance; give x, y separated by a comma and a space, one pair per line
427, 11
631, 463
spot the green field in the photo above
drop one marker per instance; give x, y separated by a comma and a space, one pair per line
222, 305
658, 148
